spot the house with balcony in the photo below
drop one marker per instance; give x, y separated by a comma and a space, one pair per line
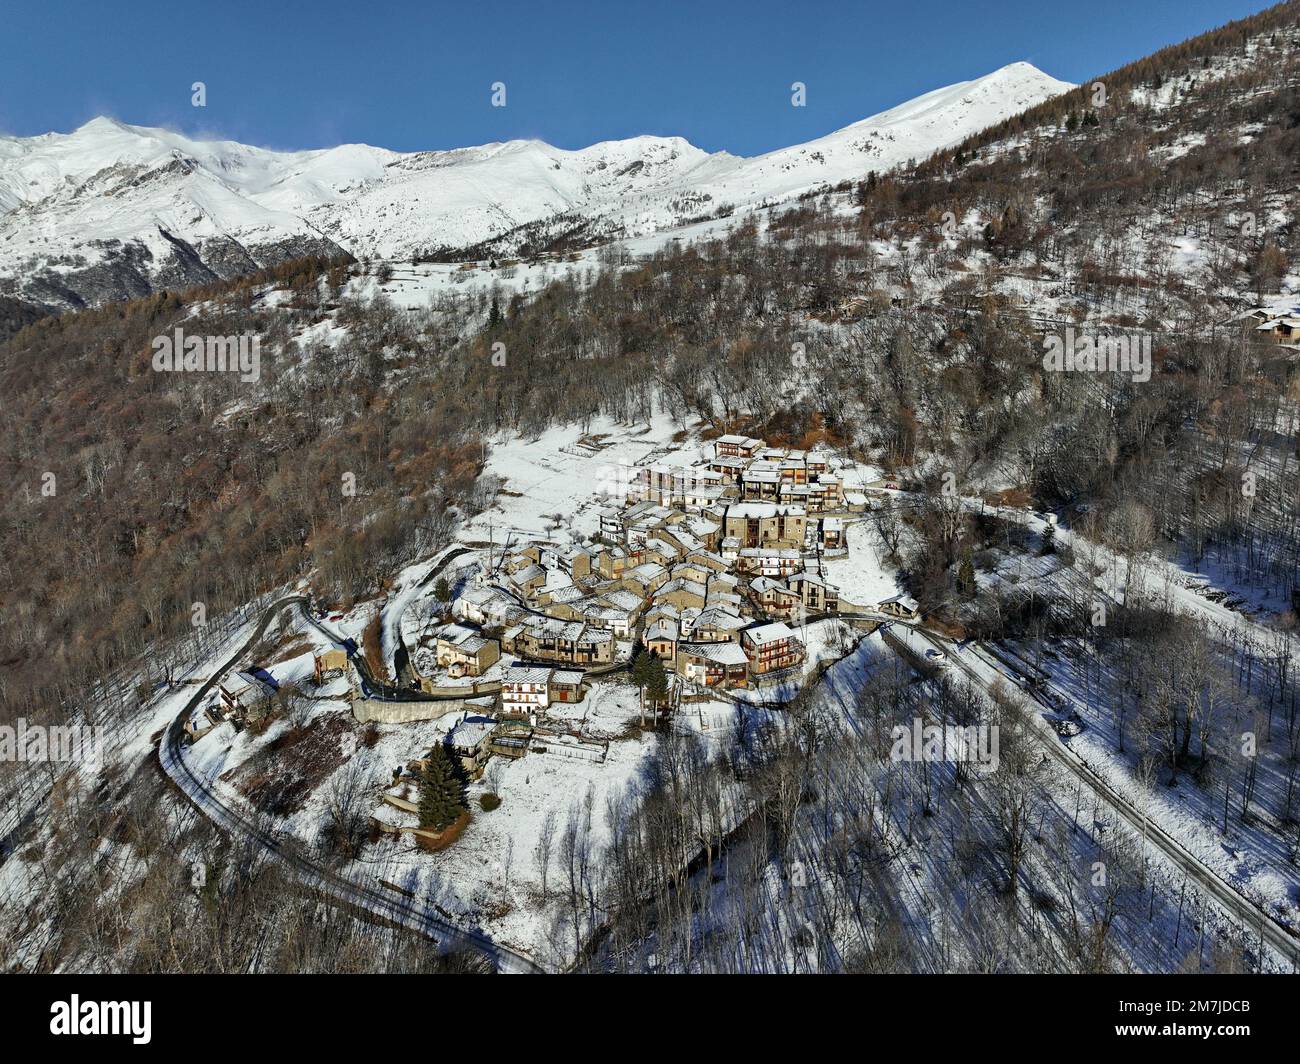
525, 691
816, 594
713, 664
771, 647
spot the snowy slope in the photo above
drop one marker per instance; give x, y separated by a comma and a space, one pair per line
112, 210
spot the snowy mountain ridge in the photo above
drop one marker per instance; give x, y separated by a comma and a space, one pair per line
113, 211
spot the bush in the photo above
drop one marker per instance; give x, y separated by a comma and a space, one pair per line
488, 802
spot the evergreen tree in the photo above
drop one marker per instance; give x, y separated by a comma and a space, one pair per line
442, 590
656, 679
641, 675
1049, 540
442, 796
640, 667
966, 578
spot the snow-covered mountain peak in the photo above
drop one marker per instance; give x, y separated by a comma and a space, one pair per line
113, 209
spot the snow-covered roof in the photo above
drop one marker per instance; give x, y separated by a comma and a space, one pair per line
764, 509
723, 653
526, 674
764, 634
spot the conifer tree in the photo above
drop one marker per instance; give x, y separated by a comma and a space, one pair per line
966, 578
442, 797
1049, 540
656, 679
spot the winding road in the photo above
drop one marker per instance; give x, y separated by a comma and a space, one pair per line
400, 910
407, 913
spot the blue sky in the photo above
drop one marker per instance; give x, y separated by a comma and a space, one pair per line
418, 75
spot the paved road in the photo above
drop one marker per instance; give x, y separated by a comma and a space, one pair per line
1277, 935
1281, 938
407, 913
397, 909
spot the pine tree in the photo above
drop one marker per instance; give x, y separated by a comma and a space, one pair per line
656, 680
640, 667
442, 797
1049, 540
641, 675
966, 578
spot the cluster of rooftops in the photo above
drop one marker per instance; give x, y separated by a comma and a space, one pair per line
709, 580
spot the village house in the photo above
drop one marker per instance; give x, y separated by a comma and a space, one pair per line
706, 530
715, 563
1281, 326
776, 562
729, 468
572, 642
689, 570
794, 470
773, 597
468, 742
676, 486
771, 648
615, 617
707, 495
681, 593
565, 685
525, 691
329, 665
527, 581
566, 603
825, 493
829, 534
761, 481
611, 526
725, 600
764, 523
661, 636
795, 495
734, 446
465, 652
645, 579
613, 563
900, 607
723, 584
485, 606
716, 625
581, 563
671, 542
816, 594
713, 664
687, 621
241, 692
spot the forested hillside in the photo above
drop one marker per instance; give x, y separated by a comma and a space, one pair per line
901, 317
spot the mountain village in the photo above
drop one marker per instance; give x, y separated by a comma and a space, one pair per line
701, 581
